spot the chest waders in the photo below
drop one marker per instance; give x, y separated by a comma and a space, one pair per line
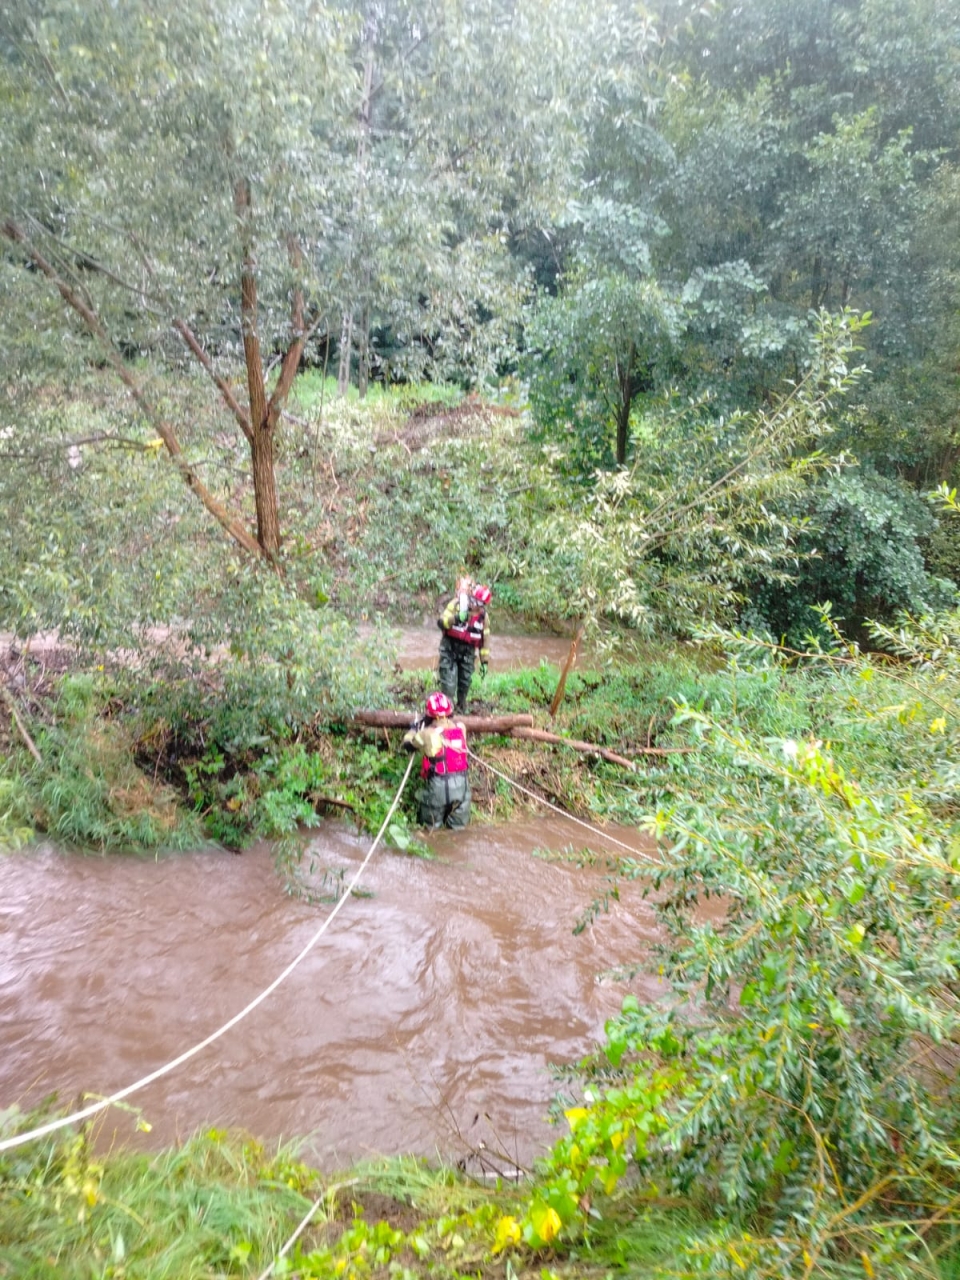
444, 800
457, 660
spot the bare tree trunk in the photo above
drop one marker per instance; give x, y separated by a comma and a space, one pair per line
363, 353
346, 354
262, 421
363, 142
625, 380
819, 286
567, 667
228, 520
265, 492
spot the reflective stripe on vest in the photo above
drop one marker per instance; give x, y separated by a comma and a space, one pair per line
471, 631
453, 759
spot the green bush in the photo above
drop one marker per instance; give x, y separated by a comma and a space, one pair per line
861, 551
809, 889
88, 790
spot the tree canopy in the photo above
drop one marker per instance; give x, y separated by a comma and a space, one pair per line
621, 206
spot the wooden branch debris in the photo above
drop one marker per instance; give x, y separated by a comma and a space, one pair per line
589, 748
516, 726
330, 800
473, 724
21, 727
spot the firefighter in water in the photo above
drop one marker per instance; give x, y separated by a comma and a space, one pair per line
444, 799
464, 639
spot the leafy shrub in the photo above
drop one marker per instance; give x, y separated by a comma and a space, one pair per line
861, 551
809, 893
88, 791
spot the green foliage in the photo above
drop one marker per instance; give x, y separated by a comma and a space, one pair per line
859, 550
220, 1204
605, 339
424, 520
617, 1127
809, 890
85, 554
88, 791
14, 804
685, 531
213, 1206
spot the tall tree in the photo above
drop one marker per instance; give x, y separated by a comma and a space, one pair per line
163, 177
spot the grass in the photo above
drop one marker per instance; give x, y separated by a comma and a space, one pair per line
311, 389
221, 1205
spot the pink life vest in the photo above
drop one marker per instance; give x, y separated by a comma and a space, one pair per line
471, 631
453, 758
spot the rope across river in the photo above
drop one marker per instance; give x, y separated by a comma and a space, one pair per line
95, 1107
102, 1104
597, 831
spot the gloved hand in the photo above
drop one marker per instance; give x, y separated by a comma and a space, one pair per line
440, 624
406, 742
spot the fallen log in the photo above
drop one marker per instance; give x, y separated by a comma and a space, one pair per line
473, 724
590, 748
514, 726
541, 735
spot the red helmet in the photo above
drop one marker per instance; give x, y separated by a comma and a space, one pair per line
482, 595
438, 704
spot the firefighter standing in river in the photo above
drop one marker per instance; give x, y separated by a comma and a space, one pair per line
444, 799
464, 627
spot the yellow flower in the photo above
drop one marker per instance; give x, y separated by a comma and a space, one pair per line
550, 1227
508, 1232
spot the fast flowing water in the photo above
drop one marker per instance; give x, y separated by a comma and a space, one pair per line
424, 1021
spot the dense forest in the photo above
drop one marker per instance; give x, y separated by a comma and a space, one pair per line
649, 316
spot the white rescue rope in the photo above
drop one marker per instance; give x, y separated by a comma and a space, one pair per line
304, 1223
597, 831
8, 1143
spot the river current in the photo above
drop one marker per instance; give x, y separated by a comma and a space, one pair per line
425, 1021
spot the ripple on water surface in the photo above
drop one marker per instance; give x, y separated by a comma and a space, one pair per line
425, 1020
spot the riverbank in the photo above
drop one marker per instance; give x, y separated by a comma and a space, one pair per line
222, 1204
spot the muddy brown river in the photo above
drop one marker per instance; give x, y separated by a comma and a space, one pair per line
425, 1021
418, 647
